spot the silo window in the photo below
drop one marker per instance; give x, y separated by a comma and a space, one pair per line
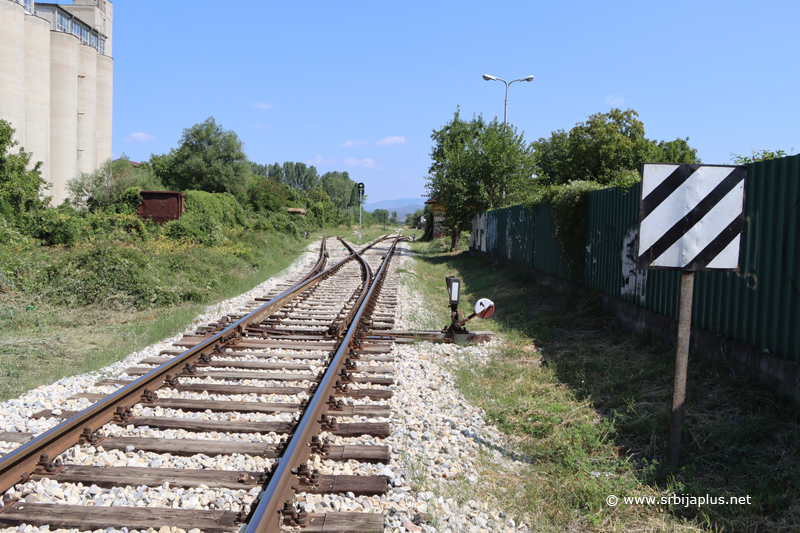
62, 23
27, 4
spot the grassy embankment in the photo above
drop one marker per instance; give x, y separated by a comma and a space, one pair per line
588, 403
77, 309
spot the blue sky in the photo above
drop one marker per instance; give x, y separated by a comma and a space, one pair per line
359, 86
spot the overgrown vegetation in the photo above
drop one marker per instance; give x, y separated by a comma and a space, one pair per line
588, 404
605, 151
758, 155
79, 283
65, 311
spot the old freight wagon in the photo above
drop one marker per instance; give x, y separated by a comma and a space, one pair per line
162, 206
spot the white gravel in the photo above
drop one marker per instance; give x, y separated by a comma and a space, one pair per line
440, 443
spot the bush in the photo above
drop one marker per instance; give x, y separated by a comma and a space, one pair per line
106, 273
570, 208
114, 187
21, 190
207, 218
9, 234
68, 227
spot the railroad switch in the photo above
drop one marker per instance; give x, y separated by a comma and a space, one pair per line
484, 308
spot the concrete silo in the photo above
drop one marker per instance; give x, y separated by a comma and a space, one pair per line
105, 86
12, 59
63, 112
87, 108
37, 92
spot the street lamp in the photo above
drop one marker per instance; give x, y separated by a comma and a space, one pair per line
495, 78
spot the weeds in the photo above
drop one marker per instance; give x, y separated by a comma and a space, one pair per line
78, 309
589, 403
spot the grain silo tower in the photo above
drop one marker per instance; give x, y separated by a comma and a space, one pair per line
57, 83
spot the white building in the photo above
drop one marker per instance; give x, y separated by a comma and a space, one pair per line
56, 84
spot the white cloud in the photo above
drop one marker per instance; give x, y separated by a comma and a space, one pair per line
320, 161
405, 177
366, 162
353, 144
260, 105
139, 137
615, 100
262, 127
388, 141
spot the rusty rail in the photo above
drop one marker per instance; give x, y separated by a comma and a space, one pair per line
281, 487
18, 465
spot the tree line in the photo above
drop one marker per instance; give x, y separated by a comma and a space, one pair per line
478, 166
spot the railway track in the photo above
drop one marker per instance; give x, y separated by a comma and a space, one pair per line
246, 417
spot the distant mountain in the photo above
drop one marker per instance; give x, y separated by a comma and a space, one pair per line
392, 205
403, 206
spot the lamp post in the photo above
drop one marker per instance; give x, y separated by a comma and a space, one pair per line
487, 77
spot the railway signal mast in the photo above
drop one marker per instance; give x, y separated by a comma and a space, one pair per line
690, 218
360, 196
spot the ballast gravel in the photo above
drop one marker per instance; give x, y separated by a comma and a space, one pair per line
440, 444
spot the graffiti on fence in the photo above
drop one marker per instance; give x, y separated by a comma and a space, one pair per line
634, 281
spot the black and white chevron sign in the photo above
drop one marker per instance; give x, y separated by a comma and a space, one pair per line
691, 216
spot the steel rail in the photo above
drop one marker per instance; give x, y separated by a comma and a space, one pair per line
281, 487
18, 465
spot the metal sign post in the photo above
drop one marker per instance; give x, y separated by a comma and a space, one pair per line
690, 218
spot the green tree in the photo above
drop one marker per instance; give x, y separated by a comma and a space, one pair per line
393, 218
21, 190
602, 148
381, 216
476, 167
258, 169
276, 172
267, 194
299, 176
412, 220
339, 187
115, 185
209, 159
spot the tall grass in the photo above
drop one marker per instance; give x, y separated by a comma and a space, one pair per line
588, 403
74, 310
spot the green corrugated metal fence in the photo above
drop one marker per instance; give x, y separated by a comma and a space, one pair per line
759, 305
